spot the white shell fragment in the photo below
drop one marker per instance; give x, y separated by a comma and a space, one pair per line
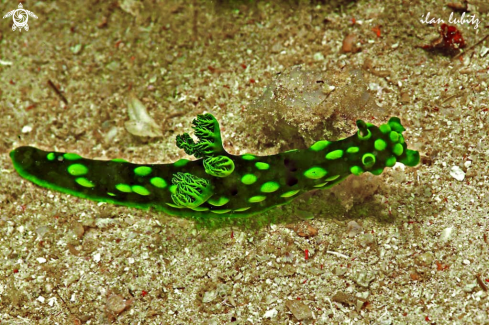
26, 129
140, 123
457, 173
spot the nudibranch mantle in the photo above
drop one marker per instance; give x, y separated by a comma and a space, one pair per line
218, 183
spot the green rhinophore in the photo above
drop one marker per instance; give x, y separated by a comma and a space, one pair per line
217, 183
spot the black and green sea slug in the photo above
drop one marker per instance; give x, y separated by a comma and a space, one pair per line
218, 183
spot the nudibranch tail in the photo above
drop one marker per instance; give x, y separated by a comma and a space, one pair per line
218, 183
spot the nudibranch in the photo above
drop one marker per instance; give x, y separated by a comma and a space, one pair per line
218, 183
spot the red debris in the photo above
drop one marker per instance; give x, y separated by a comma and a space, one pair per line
306, 254
450, 41
376, 30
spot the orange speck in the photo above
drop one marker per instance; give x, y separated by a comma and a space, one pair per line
376, 30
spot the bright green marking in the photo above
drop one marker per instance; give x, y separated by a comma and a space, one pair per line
120, 160
332, 178
173, 189
269, 187
256, 199
377, 171
84, 182
290, 193
391, 161
51, 156
398, 149
248, 157
292, 150
242, 209
123, 188
353, 150
248, 179
315, 173
320, 145
71, 156
380, 144
141, 190
394, 136
262, 166
142, 170
200, 209
174, 206
335, 154
111, 194
158, 182
181, 162
77, 170
401, 138
361, 137
356, 170
368, 160
221, 211
218, 202
321, 185
385, 128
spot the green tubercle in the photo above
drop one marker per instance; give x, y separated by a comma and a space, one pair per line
218, 184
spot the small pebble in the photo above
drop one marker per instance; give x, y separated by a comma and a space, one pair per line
299, 309
270, 313
26, 129
446, 234
457, 173
116, 304
353, 228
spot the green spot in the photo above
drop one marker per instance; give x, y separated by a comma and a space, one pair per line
123, 188
385, 128
84, 182
292, 150
380, 144
158, 182
315, 173
248, 157
221, 211
248, 179
356, 170
368, 160
336, 154
77, 170
320, 145
256, 199
401, 138
141, 190
377, 171
332, 178
353, 150
391, 161
200, 209
290, 193
398, 149
173, 189
111, 194
242, 209
51, 156
394, 136
71, 156
269, 187
120, 160
142, 170
262, 166
411, 159
218, 202
181, 162
366, 137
